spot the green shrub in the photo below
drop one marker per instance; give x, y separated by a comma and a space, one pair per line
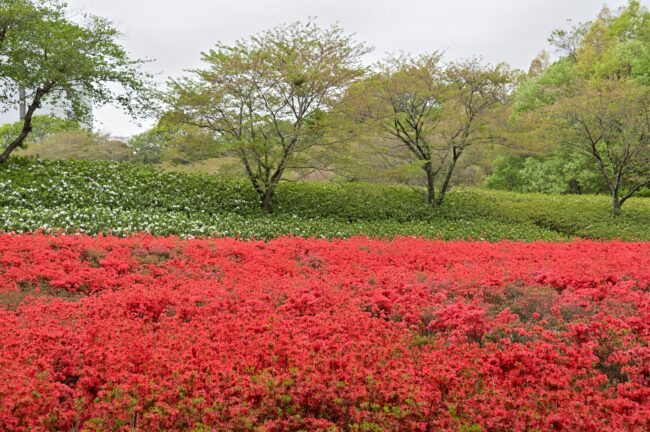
98, 197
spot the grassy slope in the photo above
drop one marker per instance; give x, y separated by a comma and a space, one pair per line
102, 197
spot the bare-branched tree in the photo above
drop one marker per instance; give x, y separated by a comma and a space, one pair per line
263, 96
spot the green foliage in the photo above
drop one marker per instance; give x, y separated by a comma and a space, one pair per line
169, 142
148, 146
539, 91
65, 62
418, 116
593, 101
616, 46
121, 198
42, 127
561, 172
568, 41
626, 59
262, 96
613, 46
81, 145
507, 174
74, 61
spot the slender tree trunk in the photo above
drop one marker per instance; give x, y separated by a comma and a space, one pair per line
27, 128
27, 125
269, 190
267, 199
616, 203
445, 184
431, 184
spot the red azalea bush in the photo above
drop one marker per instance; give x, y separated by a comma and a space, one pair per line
149, 333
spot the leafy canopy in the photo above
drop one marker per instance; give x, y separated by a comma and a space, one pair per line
419, 114
613, 46
262, 96
61, 60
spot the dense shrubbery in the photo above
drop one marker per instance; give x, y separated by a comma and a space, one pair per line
561, 172
115, 198
144, 333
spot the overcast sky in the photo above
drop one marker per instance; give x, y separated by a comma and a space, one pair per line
174, 32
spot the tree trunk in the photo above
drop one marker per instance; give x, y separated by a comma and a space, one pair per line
269, 190
27, 125
27, 128
267, 199
616, 204
446, 181
431, 184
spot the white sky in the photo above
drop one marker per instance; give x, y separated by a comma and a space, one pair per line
174, 33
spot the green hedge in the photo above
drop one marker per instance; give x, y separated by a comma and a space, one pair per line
98, 197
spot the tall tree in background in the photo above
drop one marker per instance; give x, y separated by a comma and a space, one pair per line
262, 96
434, 112
608, 120
596, 98
174, 143
63, 62
567, 42
392, 113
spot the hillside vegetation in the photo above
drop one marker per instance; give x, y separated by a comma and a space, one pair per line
97, 197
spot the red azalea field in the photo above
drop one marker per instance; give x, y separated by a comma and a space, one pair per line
149, 333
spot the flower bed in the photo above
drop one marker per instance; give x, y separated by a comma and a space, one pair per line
148, 333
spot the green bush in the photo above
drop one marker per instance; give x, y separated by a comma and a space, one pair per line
562, 172
98, 197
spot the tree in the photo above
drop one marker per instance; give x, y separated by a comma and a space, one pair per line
15, 15
175, 143
539, 64
261, 97
609, 120
538, 90
594, 100
434, 112
568, 42
148, 146
59, 61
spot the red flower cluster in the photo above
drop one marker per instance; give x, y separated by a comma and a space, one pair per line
148, 333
